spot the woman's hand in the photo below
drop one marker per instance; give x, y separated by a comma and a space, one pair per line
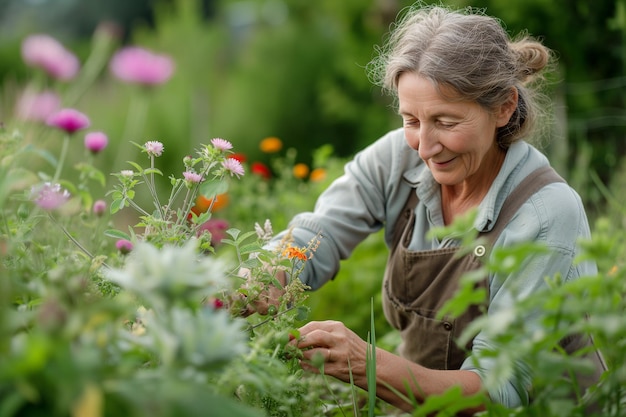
342, 351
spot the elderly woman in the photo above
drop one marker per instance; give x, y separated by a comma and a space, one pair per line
464, 93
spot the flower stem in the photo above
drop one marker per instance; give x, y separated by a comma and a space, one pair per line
64, 147
73, 239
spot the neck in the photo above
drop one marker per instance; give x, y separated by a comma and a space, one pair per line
459, 198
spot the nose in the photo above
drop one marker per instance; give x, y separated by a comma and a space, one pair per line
425, 141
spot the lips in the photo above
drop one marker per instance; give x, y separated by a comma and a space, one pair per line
442, 163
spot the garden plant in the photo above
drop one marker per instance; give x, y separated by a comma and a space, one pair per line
121, 293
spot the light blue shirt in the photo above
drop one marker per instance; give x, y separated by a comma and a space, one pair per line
375, 186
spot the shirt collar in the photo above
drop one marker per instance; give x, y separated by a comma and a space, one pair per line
429, 192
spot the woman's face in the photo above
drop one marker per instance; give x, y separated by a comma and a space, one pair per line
456, 139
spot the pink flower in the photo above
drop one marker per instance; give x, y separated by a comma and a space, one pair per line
69, 120
141, 66
99, 206
124, 246
192, 177
233, 166
49, 196
221, 144
96, 141
45, 52
217, 228
216, 303
154, 148
37, 106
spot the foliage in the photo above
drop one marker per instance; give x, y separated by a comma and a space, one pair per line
87, 328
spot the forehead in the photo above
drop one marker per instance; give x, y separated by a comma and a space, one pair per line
416, 92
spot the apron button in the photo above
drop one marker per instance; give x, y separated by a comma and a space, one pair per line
479, 250
447, 326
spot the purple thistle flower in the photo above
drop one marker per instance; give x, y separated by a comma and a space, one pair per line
99, 206
69, 120
141, 66
50, 196
37, 106
233, 166
96, 141
124, 246
221, 144
45, 52
154, 148
192, 177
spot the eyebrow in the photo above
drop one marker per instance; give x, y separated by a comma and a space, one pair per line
433, 116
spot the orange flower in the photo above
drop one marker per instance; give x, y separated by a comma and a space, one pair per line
318, 174
300, 171
271, 145
294, 252
203, 203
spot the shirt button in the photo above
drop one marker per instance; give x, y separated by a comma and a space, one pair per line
447, 326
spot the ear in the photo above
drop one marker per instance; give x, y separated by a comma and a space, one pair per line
506, 110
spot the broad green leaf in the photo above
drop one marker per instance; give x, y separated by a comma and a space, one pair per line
118, 234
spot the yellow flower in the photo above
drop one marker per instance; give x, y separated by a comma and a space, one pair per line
318, 174
294, 252
271, 145
300, 171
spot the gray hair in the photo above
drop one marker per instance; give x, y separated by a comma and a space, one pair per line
471, 53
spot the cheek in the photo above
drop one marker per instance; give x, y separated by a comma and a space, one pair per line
411, 139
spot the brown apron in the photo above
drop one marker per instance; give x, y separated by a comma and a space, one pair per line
418, 283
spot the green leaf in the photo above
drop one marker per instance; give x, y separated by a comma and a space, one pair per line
212, 188
118, 234
233, 232
371, 362
136, 166
152, 171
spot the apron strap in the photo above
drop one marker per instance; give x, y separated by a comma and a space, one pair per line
534, 182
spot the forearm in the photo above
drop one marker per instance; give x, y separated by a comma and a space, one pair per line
395, 374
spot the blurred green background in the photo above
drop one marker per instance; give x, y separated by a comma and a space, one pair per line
294, 69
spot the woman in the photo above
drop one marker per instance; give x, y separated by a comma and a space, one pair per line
462, 89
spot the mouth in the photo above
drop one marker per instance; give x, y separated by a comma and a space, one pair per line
441, 164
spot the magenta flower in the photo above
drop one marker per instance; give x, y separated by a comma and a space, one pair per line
124, 246
192, 177
154, 148
141, 66
69, 120
37, 106
99, 207
45, 52
233, 166
221, 144
96, 141
50, 196
217, 228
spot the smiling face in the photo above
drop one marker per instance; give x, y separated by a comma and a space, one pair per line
455, 138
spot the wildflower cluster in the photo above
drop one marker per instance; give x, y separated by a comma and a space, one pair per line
175, 221
153, 310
